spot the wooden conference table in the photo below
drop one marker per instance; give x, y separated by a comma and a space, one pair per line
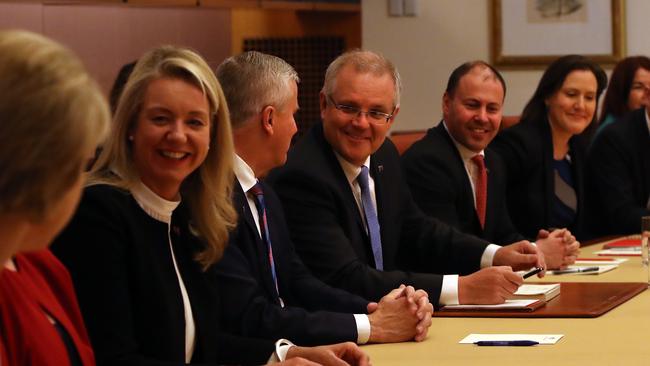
619, 337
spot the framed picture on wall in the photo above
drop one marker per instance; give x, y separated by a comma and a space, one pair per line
533, 33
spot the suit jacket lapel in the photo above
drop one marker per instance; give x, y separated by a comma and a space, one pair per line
250, 232
547, 162
340, 179
460, 171
377, 173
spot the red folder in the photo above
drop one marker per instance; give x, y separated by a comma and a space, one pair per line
623, 243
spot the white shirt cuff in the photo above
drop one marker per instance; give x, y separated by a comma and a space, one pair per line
363, 328
281, 348
449, 290
488, 255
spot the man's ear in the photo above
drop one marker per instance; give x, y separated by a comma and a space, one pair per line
323, 103
267, 119
446, 101
392, 119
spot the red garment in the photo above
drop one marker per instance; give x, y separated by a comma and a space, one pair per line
41, 285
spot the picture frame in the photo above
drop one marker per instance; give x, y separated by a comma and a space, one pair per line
525, 35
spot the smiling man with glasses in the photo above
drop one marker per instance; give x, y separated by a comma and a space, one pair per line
350, 211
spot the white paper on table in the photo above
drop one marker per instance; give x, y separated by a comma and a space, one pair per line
623, 252
509, 304
603, 262
540, 289
541, 338
601, 269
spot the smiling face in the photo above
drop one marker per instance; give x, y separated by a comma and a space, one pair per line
638, 90
171, 136
473, 114
355, 138
571, 108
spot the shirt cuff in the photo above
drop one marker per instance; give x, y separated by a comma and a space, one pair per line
281, 348
449, 290
363, 328
488, 255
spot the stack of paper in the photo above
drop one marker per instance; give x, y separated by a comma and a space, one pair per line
545, 292
599, 261
517, 304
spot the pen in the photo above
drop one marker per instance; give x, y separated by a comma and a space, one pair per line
506, 343
576, 270
534, 271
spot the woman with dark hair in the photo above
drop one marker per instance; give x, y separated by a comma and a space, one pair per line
627, 89
544, 153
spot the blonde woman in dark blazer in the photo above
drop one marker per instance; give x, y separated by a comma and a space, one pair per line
155, 219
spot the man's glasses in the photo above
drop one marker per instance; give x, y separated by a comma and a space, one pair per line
374, 116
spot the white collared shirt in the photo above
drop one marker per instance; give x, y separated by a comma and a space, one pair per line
246, 178
161, 210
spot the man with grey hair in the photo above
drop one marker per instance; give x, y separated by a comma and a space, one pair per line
351, 213
271, 294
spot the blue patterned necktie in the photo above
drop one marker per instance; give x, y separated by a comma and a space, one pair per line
258, 193
371, 218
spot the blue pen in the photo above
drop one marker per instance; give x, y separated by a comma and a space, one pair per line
506, 343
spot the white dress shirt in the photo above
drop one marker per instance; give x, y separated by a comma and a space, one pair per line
246, 178
449, 289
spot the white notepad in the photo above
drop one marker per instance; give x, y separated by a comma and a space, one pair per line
541, 338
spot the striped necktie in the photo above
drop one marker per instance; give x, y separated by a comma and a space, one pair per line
258, 194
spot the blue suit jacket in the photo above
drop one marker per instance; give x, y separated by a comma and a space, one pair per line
438, 180
330, 236
315, 313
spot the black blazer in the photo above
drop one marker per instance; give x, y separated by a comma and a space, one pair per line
527, 151
330, 236
314, 312
618, 169
123, 274
436, 175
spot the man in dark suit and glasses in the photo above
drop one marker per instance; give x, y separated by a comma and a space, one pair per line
271, 294
345, 170
455, 178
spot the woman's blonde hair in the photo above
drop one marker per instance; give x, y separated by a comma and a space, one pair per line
207, 190
52, 116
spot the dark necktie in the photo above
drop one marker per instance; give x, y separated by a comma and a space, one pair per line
371, 218
258, 193
480, 186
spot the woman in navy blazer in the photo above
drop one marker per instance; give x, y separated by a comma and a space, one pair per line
544, 153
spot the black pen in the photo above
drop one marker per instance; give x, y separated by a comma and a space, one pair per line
576, 270
506, 343
532, 272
